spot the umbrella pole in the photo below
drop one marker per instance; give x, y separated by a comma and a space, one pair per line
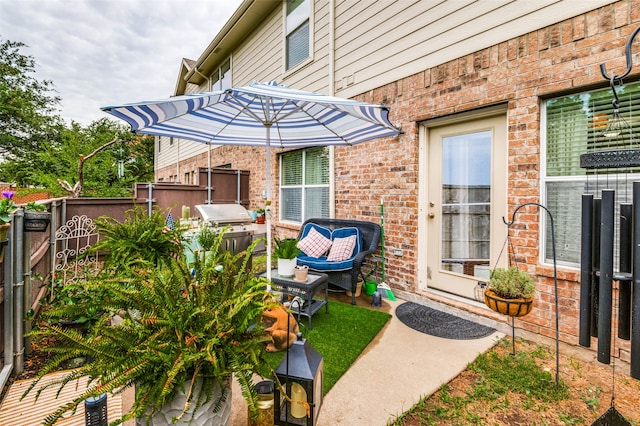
209, 175
267, 207
382, 234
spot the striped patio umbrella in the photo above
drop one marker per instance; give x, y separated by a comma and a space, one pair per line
259, 115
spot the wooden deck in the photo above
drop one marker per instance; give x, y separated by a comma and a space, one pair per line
28, 412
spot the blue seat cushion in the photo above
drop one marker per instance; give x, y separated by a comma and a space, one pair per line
322, 264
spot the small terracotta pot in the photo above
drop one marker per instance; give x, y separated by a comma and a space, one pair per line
511, 307
301, 273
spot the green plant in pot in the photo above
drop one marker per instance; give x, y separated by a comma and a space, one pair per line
36, 217
260, 216
180, 337
32, 206
286, 250
510, 291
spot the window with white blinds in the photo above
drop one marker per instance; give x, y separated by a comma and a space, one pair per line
575, 125
304, 184
297, 32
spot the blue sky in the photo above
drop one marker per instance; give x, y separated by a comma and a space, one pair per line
104, 52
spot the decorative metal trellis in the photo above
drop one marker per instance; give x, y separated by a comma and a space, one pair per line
73, 240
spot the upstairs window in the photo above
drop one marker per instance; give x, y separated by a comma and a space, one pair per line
221, 77
297, 32
304, 184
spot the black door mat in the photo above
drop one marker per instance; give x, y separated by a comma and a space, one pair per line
441, 324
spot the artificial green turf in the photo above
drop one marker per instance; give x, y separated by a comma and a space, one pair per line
339, 336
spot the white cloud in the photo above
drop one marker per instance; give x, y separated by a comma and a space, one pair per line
106, 52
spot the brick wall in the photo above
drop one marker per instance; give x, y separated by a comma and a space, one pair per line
520, 72
24, 196
242, 158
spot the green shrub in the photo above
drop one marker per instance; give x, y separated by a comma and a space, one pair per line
512, 283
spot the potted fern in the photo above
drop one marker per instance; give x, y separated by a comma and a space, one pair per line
180, 336
36, 217
286, 251
510, 291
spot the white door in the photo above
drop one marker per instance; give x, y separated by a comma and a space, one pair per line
464, 203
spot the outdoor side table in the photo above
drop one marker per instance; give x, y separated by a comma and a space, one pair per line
288, 286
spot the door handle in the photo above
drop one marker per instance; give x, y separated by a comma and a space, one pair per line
431, 215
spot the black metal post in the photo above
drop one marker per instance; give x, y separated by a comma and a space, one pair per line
555, 279
595, 272
624, 275
586, 270
635, 303
606, 276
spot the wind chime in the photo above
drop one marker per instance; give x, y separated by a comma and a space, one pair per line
615, 148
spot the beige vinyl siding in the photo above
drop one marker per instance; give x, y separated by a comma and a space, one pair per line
181, 147
164, 157
168, 155
380, 42
260, 56
313, 76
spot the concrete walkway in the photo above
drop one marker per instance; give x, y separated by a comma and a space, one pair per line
390, 376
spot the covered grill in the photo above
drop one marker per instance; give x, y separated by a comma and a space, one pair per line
220, 215
240, 234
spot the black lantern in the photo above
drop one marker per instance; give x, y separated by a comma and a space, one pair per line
300, 374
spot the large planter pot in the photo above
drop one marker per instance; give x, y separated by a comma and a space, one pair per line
204, 415
511, 307
358, 289
286, 267
36, 221
4, 232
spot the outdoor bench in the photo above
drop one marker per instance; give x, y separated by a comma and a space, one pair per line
342, 273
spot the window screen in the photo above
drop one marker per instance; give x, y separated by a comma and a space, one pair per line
297, 32
304, 184
575, 125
